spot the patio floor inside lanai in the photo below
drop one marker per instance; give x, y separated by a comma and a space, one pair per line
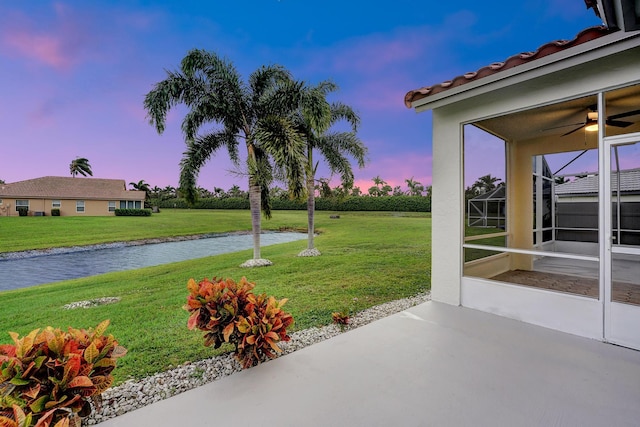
578, 277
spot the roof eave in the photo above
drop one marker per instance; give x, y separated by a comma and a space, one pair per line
584, 52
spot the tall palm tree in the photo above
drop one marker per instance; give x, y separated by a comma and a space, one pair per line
81, 166
257, 112
315, 119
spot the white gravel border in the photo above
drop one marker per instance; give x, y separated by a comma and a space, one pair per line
132, 395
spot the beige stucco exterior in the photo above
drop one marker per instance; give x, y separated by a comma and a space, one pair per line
73, 196
67, 207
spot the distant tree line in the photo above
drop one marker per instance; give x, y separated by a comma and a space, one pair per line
157, 195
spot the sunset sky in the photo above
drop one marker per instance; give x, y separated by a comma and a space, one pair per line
73, 74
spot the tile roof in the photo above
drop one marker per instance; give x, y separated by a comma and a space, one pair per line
629, 182
58, 187
547, 49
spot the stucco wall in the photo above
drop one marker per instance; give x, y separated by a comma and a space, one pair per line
67, 207
448, 118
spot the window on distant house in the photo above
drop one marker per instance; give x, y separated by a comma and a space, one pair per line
22, 204
79, 205
130, 204
112, 206
56, 204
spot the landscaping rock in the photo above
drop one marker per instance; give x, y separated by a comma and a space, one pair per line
310, 252
133, 394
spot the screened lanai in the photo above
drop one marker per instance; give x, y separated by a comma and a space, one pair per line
564, 98
544, 232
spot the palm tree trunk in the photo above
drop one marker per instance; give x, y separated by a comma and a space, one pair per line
254, 206
311, 208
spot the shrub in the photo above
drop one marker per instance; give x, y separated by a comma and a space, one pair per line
55, 212
23, 211
51, 376
229, 312
133, 212
351, 203
340, 318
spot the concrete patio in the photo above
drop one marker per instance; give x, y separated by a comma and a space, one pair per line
432, 365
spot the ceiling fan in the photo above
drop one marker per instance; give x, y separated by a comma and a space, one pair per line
591, 121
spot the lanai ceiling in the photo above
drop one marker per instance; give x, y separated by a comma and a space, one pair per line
622, 105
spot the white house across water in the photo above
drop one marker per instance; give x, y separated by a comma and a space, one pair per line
566, 98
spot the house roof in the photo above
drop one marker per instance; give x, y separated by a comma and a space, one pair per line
546, 49
58, 187
629, 182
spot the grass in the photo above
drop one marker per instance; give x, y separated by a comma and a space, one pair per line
23, 233
374, 257
473, 254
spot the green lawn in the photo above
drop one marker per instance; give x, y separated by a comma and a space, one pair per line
22, 233
374, 257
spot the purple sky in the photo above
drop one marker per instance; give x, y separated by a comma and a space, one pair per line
73, 74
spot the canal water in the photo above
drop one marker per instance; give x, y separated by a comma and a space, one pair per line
36, 270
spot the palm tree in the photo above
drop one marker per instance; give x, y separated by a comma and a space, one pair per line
381, 188
141, 186
323, 188
415, 188
258, 112
314, 120
81, 166
397, 191
484, 184
236, 192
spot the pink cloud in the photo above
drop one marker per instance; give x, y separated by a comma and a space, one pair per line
60, 44
43, 48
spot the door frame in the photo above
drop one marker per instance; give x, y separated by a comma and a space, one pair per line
616, 316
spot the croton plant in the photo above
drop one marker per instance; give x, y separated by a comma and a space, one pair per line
50, 377
230, 312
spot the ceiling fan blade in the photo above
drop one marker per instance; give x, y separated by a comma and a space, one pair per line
575, 130
564, 126
622, 115
618, 123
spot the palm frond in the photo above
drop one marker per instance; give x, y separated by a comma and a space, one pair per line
199, 151
278, 137
316, 111
340, 111
163, 96
335, 147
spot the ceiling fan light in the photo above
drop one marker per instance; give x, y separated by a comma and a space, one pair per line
592, 115
591, 128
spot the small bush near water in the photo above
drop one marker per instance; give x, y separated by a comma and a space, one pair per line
230, 313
